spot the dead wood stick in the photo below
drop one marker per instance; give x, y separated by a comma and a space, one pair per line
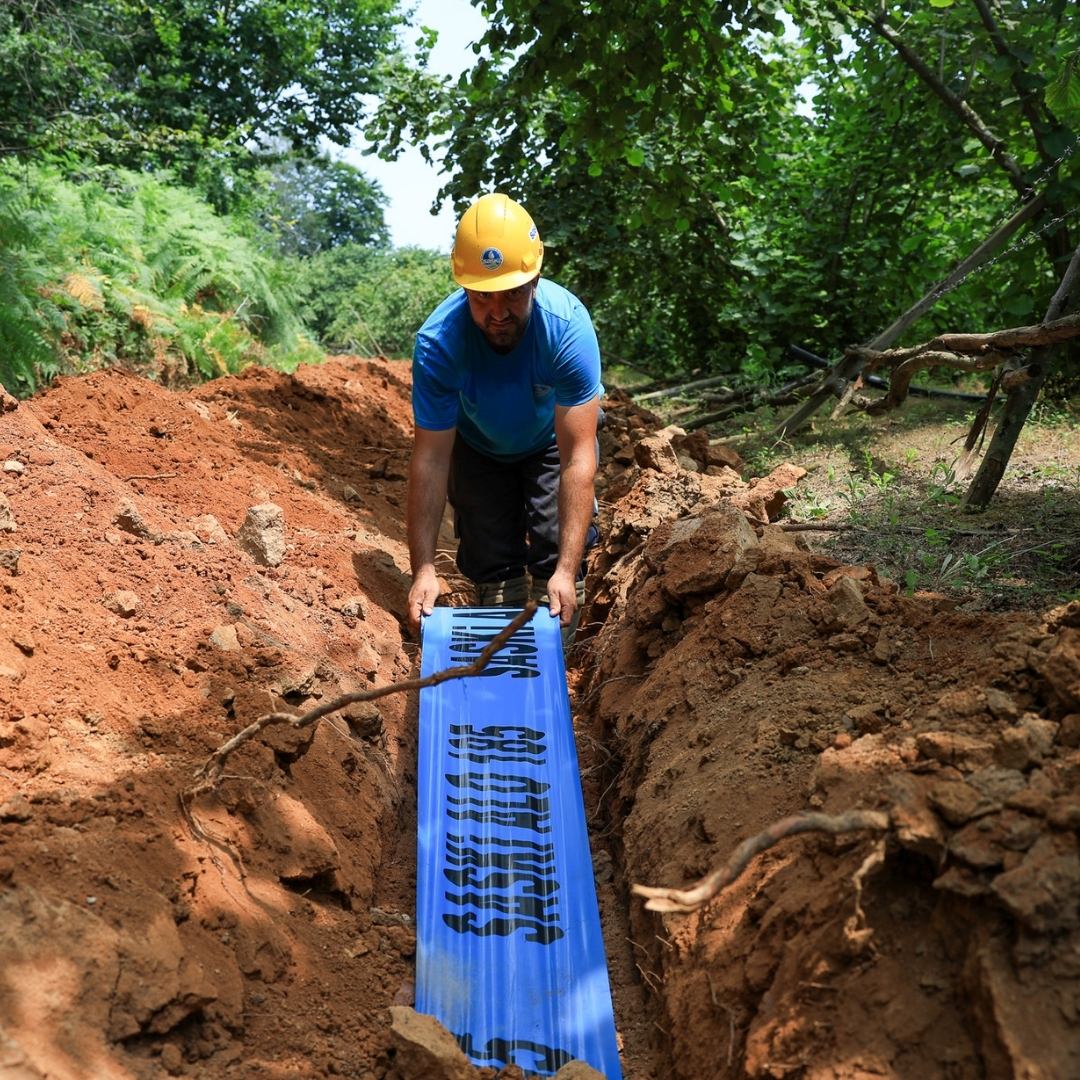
671, 391
1017, 337
209, 773
748, 401
978, 425
151, 476
686, 900
905, 371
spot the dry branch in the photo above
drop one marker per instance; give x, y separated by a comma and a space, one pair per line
1017, 337
686, 900
963, 352
903, 373
210, 772
747, 400
682, 388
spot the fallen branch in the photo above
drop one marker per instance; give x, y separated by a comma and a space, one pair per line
964, 352
682, 388
906, 370
814, 361
686, 900
748, 400
151, 476
1008, 340
209, 773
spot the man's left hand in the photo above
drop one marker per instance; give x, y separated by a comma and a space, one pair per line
562, 596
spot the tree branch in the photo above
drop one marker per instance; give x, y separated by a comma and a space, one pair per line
965, 352
209, 773
686, 900
957, 105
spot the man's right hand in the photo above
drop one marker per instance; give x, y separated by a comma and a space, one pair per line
422, 596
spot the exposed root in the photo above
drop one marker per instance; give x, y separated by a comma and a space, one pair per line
210, 772
856, 933
686, 900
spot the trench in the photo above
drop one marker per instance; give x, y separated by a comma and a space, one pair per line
726, 675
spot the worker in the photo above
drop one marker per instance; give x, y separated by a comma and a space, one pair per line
506, 399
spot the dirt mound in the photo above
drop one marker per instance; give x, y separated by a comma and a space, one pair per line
174, 566
736, 678
138, 634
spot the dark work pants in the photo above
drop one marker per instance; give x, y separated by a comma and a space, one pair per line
506, 514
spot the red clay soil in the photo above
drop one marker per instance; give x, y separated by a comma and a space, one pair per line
727, 678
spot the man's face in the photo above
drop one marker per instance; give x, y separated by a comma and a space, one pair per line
502, 316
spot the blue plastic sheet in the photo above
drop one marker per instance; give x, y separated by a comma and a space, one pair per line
509, 954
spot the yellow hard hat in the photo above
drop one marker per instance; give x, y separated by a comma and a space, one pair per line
497, 246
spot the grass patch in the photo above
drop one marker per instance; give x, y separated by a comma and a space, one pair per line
886, 492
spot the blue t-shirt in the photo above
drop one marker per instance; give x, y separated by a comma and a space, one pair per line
503, 404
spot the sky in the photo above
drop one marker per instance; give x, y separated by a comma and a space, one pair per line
410, 183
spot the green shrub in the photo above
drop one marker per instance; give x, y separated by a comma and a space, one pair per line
29, 323
373, 302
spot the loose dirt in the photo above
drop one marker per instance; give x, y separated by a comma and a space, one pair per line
153, 602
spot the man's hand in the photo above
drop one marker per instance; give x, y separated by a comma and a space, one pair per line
562, 596
422, 596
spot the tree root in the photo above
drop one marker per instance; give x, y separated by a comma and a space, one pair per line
857, 934
686, 900
209, 773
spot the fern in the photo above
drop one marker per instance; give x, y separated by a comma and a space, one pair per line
27, 356
84, 289
124, 268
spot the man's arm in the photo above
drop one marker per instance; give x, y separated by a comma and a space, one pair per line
575, 432
428, 471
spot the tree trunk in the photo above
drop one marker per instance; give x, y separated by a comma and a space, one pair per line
1018, 404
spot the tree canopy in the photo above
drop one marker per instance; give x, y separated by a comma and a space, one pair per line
314, 204
699, 205
124, 124
176, 82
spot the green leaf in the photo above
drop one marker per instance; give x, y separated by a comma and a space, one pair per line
635, 156
1063, 94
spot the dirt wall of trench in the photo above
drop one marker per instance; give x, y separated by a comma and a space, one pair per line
137, 633
736, 678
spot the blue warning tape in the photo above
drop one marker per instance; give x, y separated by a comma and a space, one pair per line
509, 953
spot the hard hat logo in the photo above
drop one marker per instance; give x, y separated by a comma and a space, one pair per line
497, 245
